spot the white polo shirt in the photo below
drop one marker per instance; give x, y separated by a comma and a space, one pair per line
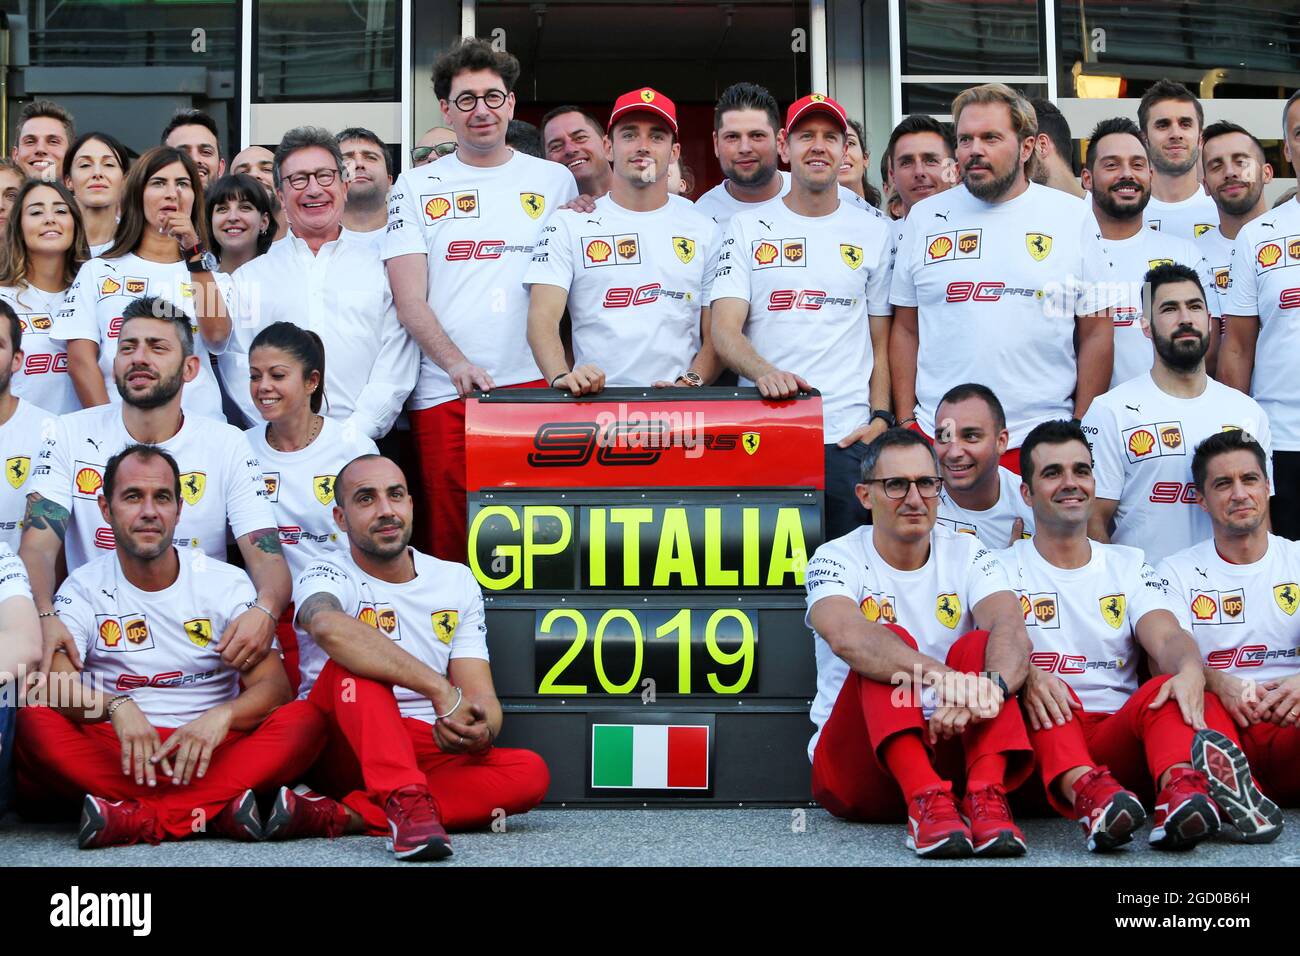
342, 294
477, 226
157, 646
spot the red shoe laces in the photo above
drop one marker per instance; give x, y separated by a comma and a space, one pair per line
989, 799
937, 804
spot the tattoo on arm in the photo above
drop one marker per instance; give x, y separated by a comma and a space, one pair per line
46, 515
266, 540
318, 602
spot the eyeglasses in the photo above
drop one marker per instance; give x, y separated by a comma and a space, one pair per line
928, 486
420, 153
492, 99
323, 177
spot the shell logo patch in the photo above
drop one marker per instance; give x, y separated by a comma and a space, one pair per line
89, 481
598, 250
437, 207
1204, 607
110, 632
368, 616
871, 609
939, 248
765, 254
109, 287
1268, 255
1141, 442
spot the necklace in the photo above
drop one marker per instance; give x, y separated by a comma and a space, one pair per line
317, 421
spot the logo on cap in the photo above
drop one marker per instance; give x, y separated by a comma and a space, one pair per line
647, 96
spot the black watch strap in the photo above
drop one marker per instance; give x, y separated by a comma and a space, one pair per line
886, 417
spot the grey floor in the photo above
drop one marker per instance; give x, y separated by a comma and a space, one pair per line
715, 837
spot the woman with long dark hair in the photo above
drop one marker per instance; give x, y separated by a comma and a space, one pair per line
162, 225
95, 170
44, 244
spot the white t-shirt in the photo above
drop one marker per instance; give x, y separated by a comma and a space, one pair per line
1116, 268
221, 481
1243, 616
93, 308
1083, 621
933, 603
158, 646
342, 294
997, 289
300, 488
477, 226
1186, 218
719, 205
798, 270
43, 378
1216, 250
21, 442
636, 283
992, 527
13, 575
1266, 251
1142, 444
436, 617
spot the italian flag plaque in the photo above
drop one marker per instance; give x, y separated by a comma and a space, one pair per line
650, 756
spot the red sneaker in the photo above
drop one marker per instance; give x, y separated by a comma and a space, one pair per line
115, 823
993, 832
1108, 813
417, 831
239, 819
1185, 814
301, 812
935, 827
1254, 817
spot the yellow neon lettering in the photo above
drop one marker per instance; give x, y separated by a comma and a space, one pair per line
789, 555
631, 519
532, 514
715, 575
508, 552
675, 555
749, 546
596, 549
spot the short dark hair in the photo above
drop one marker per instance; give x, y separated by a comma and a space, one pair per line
524, 137
114, 146
338, 479
15, 326
959, 393
145, 453
1053, 124
746, 96
190, 118
156, 307
1166, 274
896, 437
303, 344
237, 187
1221, 443
50, 110
920, 123
1055, 432
1163, 90
302, 137
596, 124
1291, 101
470, 54
1223, 128
1110, 127
361, 133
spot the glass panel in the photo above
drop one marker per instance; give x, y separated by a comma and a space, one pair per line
150, 59
936, 98
324, 50
1000, 38
1256, 43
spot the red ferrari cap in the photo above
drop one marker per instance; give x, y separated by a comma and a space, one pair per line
819, 103
645, 100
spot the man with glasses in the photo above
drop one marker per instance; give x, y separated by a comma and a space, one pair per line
433, 145
460, 236
328, 279
920, 645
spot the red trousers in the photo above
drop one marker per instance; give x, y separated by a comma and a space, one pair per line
373, 750
849, 778
60, 760
1274, 755
439, 434
1010, 458
288, 640
1136, 743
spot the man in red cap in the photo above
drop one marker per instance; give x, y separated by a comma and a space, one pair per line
635, 272
801, 299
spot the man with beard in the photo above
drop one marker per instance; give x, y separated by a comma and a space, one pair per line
221, 483
1054, 150
366, 209
194, 133
1120, 249
1260, 331
258, 162
986, 285
745, 125
574, 138
1171, 119
394, 652
1143, 430
1235, 176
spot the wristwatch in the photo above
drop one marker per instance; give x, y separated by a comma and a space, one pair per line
886, 417
692, 379
200, 259
1002, 684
